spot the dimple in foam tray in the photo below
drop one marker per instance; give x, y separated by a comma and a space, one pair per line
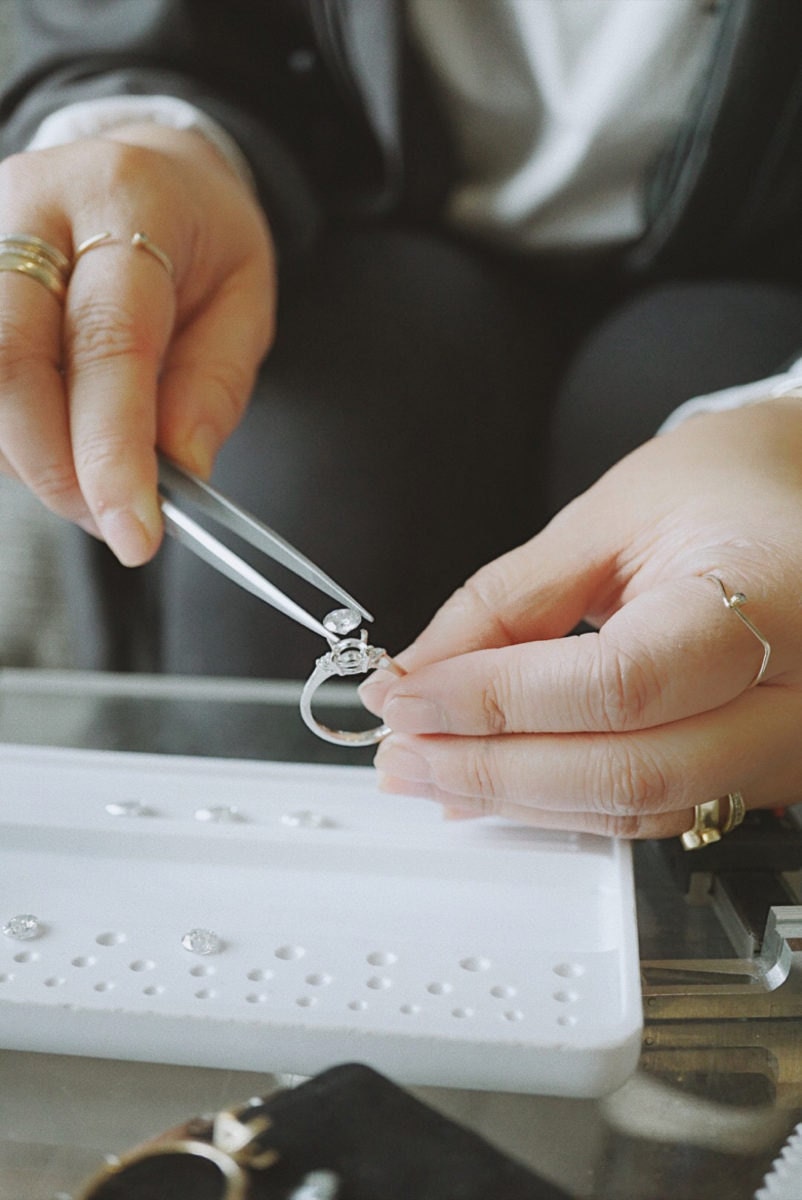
352, 926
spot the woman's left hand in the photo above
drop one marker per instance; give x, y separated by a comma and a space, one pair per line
624, 730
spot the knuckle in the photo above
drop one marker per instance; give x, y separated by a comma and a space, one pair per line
504, 698
479, 775
488, 590
493, 708
631, 782
619, 695
56, 486
101, 450
229, 385
101, 331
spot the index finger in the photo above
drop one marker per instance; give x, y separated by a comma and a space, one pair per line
670, 653
118, 321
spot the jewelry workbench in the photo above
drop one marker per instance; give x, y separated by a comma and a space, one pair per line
714, 1085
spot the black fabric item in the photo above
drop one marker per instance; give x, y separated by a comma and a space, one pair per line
163, 1177
309, 89
727, 195
387, 1145
380, 1141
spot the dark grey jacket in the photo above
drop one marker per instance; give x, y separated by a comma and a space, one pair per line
329, 105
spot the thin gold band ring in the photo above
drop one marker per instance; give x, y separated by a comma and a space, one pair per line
139, 241
735, 601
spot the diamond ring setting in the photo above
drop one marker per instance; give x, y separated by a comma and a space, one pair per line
346, 656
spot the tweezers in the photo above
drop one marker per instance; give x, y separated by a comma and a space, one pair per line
177, 485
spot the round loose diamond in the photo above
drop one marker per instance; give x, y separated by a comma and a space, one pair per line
219, 813
342, 621
23, 928
307, 819
201, 941
127, 808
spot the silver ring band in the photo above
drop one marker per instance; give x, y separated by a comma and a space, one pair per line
349, 656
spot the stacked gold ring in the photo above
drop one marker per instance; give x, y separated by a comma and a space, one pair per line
708, 826
30, 255
33, 256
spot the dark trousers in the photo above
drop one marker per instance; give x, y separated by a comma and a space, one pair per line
425, 408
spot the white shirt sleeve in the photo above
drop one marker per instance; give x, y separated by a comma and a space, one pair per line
89, 118
785, 384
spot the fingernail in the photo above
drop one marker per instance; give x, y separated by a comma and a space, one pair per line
202, 449
133, 533
411, 714
460, 814
373, 690
404, 787
398, 759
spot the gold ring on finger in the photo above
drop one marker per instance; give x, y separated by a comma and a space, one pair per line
709, 826
139, 241
28, 254
736, 814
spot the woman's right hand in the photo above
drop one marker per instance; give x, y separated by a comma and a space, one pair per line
132, 358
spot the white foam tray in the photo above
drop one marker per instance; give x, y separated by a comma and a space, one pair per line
474, 954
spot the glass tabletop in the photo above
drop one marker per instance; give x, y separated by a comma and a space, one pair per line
719, 1086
